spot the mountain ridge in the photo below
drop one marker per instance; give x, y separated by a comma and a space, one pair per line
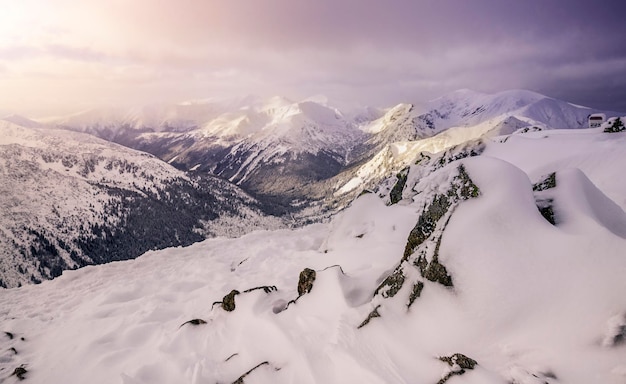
469, 271
301, 161
70, 200
289, 137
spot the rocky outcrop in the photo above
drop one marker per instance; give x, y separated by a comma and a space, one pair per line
458, 364
392, 284
544, 200
369, 317
228, 303
396, 192
421, 252
305, 282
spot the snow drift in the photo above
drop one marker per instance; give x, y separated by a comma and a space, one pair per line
527, 301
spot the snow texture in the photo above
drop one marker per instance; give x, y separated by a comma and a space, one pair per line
531, 302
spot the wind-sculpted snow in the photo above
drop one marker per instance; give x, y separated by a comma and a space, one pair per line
526, 301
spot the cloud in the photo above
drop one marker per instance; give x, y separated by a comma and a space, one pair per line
366, 50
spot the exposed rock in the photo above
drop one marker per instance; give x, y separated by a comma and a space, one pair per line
415, 293
547, 182
545, 208
20, 372
545, 202
194, 322
240, 379
231, 356
265, 288
371, 315
305, 283
394, 283
465, 186
458, 364
228, 303
438, 273
461, 151
424, 241
396, 192
459, 359
462, 188
529, 129
435, 271
426, 224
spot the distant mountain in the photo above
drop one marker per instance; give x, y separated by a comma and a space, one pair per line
284, 151
70, 199
483, 113
463, 116
269, 147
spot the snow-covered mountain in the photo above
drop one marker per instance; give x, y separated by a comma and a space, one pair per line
499, 261
70, 199
306, 159
481, 114
280, 149
264, 145
406, 131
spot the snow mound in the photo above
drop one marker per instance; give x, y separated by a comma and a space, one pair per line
584, 201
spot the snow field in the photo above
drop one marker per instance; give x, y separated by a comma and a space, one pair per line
531, 303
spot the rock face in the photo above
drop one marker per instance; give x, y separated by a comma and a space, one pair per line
458, 364
422, 248
228, 303
305, 282
369, 317
392, 284
420, 260
543, 197
396, 192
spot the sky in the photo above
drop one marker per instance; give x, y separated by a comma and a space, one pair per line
63, 56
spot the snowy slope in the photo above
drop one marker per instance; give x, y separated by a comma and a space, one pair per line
70, 199
465, 280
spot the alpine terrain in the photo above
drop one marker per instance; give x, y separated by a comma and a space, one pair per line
500, 260
70, 199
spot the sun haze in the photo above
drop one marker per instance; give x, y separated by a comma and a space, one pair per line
63, 56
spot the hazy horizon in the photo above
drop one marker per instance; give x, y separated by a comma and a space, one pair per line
66, 56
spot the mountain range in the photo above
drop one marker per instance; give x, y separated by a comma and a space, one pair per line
498, 260
111, 184
272, 148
